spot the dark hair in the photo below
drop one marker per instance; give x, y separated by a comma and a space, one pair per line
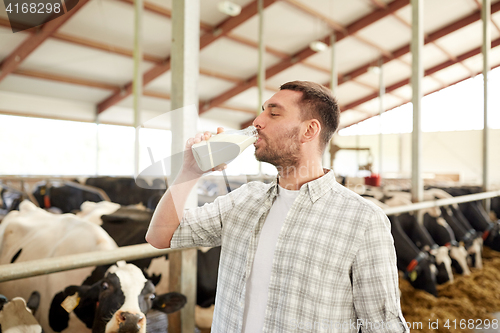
317, 102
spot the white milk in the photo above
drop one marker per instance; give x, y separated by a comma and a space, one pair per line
223, 147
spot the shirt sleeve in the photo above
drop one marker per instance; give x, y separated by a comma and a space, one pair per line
375, 280
202, 226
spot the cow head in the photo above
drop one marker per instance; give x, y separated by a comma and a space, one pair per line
15, 316
118, 303
422, 273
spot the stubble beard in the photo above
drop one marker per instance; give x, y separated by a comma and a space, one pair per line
283, 152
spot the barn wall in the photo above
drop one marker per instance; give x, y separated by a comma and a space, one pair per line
442, 153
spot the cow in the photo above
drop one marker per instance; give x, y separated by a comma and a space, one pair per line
462, 230
128, 226
129, 191
479, 219
438, 228
118, 302
17, 316
495, 207
65, 196
417, 266
33, 233
421, 237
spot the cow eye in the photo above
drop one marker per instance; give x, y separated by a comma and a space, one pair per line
104, 286
152, 296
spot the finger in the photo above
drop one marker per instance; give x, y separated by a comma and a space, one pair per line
207, 135
198, 138
220, 130
189, 142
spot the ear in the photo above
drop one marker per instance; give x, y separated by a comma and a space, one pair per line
169, 302
85, 298
312, 130
33, 301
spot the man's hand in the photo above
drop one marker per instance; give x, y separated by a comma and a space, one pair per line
190, 164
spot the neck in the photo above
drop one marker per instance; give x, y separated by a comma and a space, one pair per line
293, 177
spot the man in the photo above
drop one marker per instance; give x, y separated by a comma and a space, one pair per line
300, 254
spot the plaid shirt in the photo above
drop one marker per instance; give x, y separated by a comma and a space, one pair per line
334, 267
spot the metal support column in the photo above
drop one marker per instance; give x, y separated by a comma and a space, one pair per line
333, 88
261, 79
185, 73
97, 145
486, 17
417, 44
137, 82
334, 73
261, 73
381, 92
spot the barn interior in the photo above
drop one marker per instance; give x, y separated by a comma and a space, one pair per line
114, 88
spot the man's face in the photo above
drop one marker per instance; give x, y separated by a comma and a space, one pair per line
279, 127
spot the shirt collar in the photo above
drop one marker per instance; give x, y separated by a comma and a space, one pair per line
315, 188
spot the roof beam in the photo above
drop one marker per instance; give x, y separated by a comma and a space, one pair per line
90, 43
474, 17
102, 85
427, 72
407, 101
479, 5
304, 54
442, 49
66, 79
336, 26
220, 31
151, 7
30, 44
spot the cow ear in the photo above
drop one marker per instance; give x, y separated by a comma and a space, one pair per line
89, 296
33, 302
58, 316
169, 302
84, 298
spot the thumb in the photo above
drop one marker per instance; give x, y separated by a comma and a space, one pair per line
220, 130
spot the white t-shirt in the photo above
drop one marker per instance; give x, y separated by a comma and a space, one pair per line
257, 284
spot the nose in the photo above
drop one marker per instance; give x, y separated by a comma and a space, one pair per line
130, 322
258, 122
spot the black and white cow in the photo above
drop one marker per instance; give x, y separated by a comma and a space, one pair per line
477, 217
129, 191
62, 196
33, 233
118, 302
128, 226
438, 229
439, 255
417, 266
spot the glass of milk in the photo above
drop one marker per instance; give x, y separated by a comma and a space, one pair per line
223, 147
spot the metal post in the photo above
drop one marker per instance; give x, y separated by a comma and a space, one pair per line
137, 81
417, 44
333, 88
486, 17
97, 145
357, 153
381, 93
185, 72
401, 149
261, 74
334, 74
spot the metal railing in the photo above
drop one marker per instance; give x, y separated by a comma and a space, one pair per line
133, 252
441, 202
